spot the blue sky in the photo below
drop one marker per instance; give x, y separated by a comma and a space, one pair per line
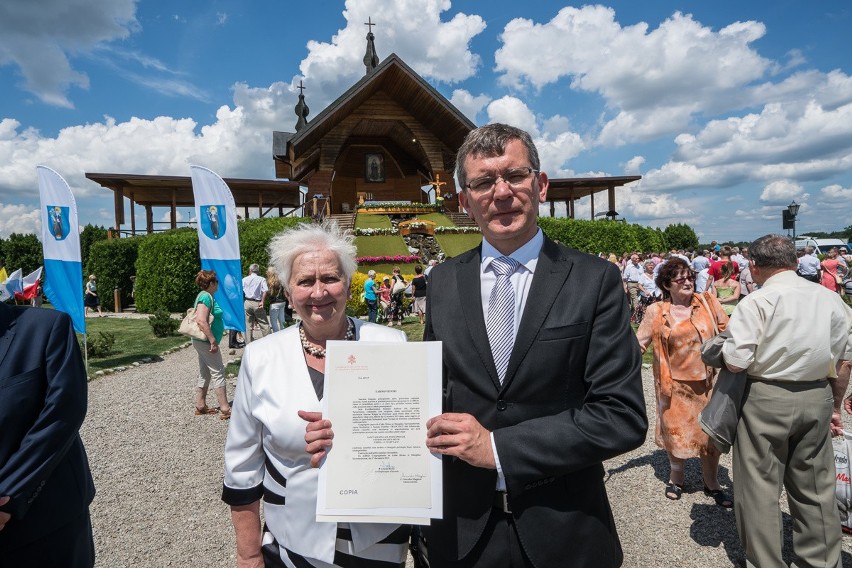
729, 110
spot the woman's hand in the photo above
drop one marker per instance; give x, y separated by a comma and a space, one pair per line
318, 436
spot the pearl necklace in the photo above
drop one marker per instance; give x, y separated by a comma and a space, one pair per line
319, 352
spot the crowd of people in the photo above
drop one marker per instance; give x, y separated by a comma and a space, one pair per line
542, 383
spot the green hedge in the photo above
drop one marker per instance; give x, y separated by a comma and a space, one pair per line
165, 271
255, 235
113, 261
602, 236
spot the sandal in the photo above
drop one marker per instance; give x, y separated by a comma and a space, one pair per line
205, 410
673, 491
721, 498
225, 415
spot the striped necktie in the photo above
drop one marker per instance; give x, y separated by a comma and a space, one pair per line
501, 314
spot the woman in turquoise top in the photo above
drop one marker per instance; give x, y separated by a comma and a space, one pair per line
210, 364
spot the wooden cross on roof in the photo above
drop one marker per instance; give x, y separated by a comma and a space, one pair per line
437, 185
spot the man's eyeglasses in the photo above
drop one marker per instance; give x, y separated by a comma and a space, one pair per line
682, 279
514, 178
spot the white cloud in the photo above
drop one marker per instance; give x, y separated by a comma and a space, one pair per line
18, 219
633, 166
837, 193
467, 103
514, 112
781, 192
681, 66
37, 38
413, 29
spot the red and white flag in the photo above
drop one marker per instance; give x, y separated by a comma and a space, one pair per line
29, 285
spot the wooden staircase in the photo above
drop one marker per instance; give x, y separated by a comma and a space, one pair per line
460, 219
345, 221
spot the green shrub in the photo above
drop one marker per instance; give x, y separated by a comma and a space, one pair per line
255, 235
22, 251
163, 324
681, 236
89, 236
602, 236
113, 261
165, 271
100, 345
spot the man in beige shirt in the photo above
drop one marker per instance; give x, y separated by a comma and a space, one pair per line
792, 336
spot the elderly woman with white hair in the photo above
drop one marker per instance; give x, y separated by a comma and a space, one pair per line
279, 388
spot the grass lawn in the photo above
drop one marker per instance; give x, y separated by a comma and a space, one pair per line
454, 245
368, 221
381, 245
134, 340
439, 219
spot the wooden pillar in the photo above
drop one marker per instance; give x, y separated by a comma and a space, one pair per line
611, 198
173, 217
118, 202
132, 215
260, 205
552, 208
571, 203
149, 219
246, 212
592, 198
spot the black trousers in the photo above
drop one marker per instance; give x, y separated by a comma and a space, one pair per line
70, 546
499, 546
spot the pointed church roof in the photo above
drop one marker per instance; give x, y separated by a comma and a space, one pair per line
405, 87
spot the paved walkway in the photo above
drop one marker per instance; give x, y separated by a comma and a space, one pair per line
158, 472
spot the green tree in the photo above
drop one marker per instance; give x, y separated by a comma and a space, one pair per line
89, 236
22, 251
681, 237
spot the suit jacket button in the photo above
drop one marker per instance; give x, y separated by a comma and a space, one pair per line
501, 405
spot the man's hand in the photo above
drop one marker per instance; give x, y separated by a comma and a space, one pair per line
462, 436
318, 436
4, 517
836, 424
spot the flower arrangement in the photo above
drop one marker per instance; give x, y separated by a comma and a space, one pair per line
393, 205
456, 230
369, 232
398, 259
417, 225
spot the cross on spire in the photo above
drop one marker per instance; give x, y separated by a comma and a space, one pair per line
369, 23
301, 88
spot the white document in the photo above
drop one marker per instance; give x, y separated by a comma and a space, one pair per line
378, 397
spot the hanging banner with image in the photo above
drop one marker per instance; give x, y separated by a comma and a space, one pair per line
60, 238
218, 242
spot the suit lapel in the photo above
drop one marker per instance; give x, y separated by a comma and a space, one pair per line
469, 293
550, 273
7, 331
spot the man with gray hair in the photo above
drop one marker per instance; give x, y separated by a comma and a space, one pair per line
808, 265
793, 338
254, 294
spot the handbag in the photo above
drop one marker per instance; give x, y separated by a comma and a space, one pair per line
843, 480
189, 327
398, 286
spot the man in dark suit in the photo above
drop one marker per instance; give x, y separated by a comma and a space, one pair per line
45, 483
542, 378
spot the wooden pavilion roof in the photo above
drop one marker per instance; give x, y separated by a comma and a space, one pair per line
565, 189
164, 191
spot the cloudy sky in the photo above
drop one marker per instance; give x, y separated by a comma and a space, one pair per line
729, 110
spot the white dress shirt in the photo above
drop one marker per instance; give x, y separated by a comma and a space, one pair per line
700, 262
809, 265
789, 330
254, 286
521, 281
632, 272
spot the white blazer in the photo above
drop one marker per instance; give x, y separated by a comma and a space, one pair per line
265, 449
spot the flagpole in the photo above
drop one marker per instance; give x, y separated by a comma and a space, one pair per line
86, 355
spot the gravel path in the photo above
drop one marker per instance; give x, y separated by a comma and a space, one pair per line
158, 473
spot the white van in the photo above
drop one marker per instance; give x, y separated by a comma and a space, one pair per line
821, 246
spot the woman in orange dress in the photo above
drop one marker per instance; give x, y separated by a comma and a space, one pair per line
677, 327
829, 271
